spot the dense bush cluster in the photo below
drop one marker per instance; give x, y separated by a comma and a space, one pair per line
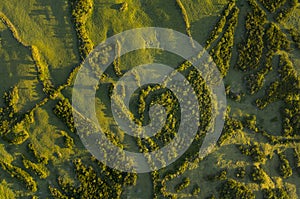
234, 189
168, 177
231, 126
295, 37
82, 9
107, 184
182, 185
255, 81
11, 123
286, 11
11, 99
274, 40
220, 24
272, 5
63, 110
254, 151
39, 158
249, 122
285, 88
196, 190
117, 60
20, 174
222, 52
277, 193
43, 72
17, 137
285, 169
258, 174
158, 95
38, 169
250, 50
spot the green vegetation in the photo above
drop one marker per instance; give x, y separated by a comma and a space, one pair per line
5, 191
63, 110
218, 29
108, 185
273, 5
20, 174
82, 9
276, 194
39, 169
250, 51
222, 52
284, 168
184, 184
255, 44
285, 12
185, 17
234, 189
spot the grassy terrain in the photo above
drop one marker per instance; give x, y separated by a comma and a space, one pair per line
48, 25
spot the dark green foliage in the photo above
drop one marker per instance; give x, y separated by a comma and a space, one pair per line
254, 82
287, 89
185, 17
20, 174
43, 73
123, 6
233, 189
258, 174
285, 12
277, 193
254, 151
211, 197
220, 25
68, 140
285, 169
38, 169
63, 110
222, 52
230, 127
295, 37
107, 184
5, 127
234, 95
250, 50
82, 9
184, 184
17, 137
250, 122
37, 155
276, 39
272, 5
11, 99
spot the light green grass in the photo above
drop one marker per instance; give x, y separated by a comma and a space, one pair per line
47, 25
17, 69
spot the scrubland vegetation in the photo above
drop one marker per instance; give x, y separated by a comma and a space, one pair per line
257, 155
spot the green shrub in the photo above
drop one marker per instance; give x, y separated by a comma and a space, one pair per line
20, 174
285, 169
233, 189
184, 184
